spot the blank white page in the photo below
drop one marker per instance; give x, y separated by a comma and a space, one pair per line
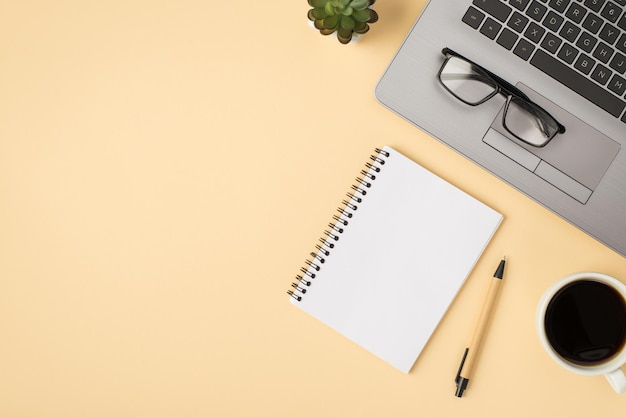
400, 261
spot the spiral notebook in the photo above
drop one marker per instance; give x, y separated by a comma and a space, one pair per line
394, 257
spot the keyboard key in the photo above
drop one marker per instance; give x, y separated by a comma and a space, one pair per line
618, 63
473, 17
494, 8
611, 12
568, 53
576, 12
537, 11
617, 85
559, 5
569, 32
551, 43
490, 28
603, 52
586, 42
578, 83
553, 21
592, 23
507, 38
524, 49
584, 64
518, 22
601, 74
609, 33
534, 32
594, 5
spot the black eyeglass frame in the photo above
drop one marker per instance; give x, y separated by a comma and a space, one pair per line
503, 87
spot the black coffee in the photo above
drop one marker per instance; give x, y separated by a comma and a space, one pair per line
585, 322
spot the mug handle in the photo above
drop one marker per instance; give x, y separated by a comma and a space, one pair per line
617, 379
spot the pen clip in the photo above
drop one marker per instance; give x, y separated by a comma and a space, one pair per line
458, 374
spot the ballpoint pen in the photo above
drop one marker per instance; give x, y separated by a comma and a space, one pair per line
469, 357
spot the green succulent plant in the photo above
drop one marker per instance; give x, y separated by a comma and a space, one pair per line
345, 17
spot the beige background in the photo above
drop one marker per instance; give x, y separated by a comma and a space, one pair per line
166, 167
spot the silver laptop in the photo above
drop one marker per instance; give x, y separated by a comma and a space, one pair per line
533, 91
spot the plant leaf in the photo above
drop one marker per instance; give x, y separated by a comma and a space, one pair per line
331, 22
317, 3
344, 36
362, 15
373, 16
327, 31
330, 9
347, 11
319, 13
361, 29
359, 4
344, 3
347, 23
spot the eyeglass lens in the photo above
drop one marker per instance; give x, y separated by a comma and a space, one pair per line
529, 122
466, 81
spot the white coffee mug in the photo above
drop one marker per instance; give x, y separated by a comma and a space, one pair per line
611, 368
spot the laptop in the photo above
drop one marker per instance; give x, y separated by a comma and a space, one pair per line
565, 57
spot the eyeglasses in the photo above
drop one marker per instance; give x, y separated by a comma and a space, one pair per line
474, 85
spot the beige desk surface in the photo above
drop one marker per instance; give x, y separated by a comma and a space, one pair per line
166, 167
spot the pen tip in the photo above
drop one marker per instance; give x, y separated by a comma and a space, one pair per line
500, 270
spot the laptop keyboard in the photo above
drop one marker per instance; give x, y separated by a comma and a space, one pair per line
580, 43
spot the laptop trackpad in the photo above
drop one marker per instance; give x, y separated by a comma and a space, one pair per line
573, 162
